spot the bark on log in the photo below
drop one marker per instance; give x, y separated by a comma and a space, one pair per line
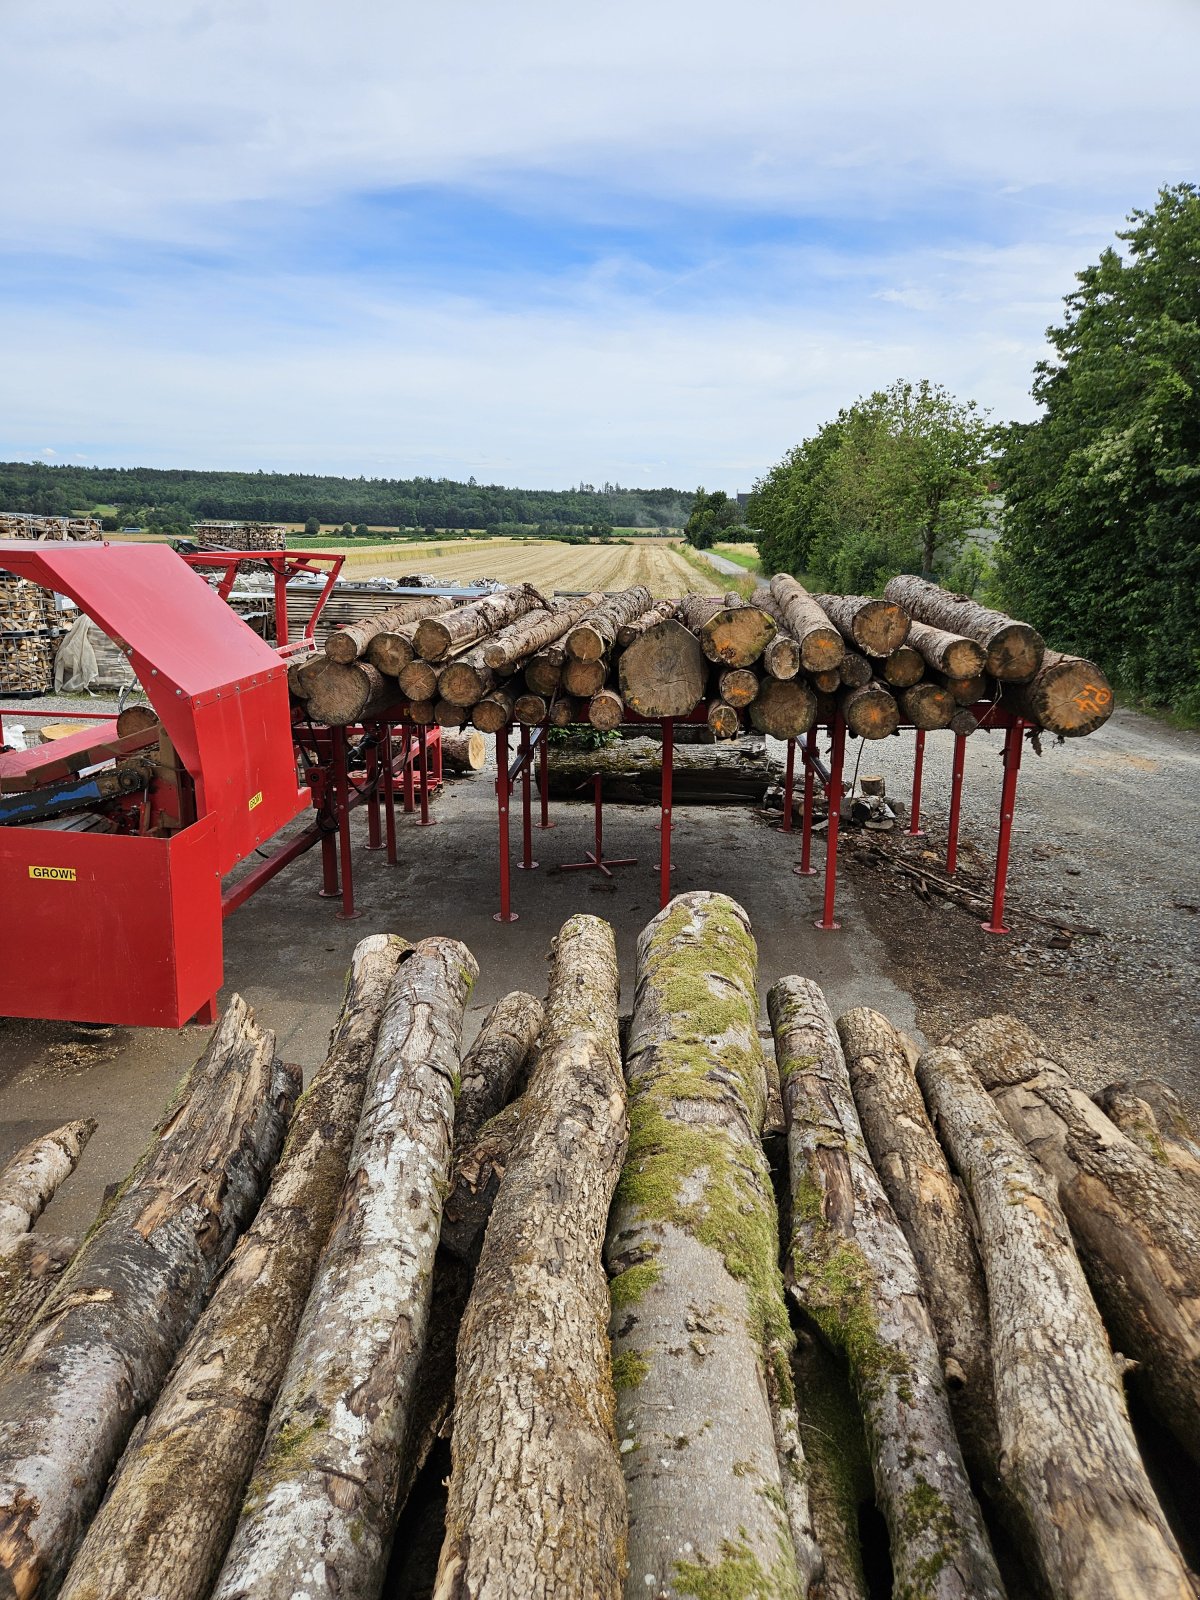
853, 671
722, 719
393, 650
448, 715
1153, 1114
530, 709
903, 667
1014, 649
876, 627
493, 1065
737, 635
99, 1349
537, 1504
821, 647
737, 686
963, 722
1068, 695
966, 691
352, 641
536, 630
661, 611
439, 637
784, 708
952, 654
30, 1267
852, 1273
341, 695
663, 672
826, 682
1068, 1449
463, 753
173, 1504
937, 1223
781, 658
319, 1512
467, 677
419, 680
928, 706
494, 711
701, 1337
606, 710
564, 711
632, 771
583, 678
141, 718
697, 609
30, 1178
1135, 1220
870, 712
593, 637
543, 670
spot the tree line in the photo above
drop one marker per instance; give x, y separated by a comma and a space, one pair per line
1085, 522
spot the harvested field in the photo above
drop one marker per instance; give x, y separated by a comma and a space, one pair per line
547, 564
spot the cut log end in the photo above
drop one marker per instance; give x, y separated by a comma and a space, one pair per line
870, 712
784, 708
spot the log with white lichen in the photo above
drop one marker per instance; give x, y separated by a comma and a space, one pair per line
30, 1267
1014, 649
98, 1351
1068, 695
536, 630
852, 1273
937, 1223
1151, 1113
1069, 1454
30, 1178
172, 1506
660, 611
536, 1500
821, 647
875, 626
1136, 1220
319, 1511
594, 635
457, 630
706, 1414
663, 672
354, 639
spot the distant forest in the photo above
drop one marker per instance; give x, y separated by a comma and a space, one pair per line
295, 497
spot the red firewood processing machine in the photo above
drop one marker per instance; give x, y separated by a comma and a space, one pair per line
113, 849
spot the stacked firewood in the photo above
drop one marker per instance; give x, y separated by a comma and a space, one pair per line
27, 618
241, 535
777, 664
566, 1251
30, 525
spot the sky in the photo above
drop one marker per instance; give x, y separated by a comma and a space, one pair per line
541, 244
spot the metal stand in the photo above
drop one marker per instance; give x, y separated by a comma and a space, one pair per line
544, 777
809, 756
596, 862
914, 829
527, 863
1008, 804
664, 827
827, 922
956, 788
788, 784
341, 791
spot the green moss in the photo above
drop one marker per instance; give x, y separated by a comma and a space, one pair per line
629, 1286
739, 1575
293, 1441
629, 1369
925, 1517
836, 1277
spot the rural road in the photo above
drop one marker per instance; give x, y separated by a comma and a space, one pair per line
723, 564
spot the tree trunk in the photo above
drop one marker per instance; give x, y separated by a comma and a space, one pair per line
876, 627
781, 658
697, 609
827, 682
937, 1223
853, 1275
463, 753
1068, 695
173, 1504
1014, 649
531, 709
439, 637
1153, 1115
903, 667
448, 715
821, 647
950, 653
966, 691
419, 681
482, 1143
342, 695
494, 711
701, 1338
870, 712
30, 1178
593, 637
352, 641
928, 706
565, 710
854, 671
1068, 1450
421, 713
1136, 1221
784, 708
736, 636
100, 1348
536, 630
660, 611
536, 1504
467, 678
606, 710
738, 686
663, 672
30, 1267
320, 1508
583, 678
303, 674
963, 722
543, 670
393, 650
722, 719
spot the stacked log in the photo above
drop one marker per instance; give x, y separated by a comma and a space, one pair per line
30, 1264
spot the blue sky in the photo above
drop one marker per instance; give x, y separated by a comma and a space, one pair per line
650, 243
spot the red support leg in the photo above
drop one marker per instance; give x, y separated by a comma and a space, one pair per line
1008, 806
789, 781
409, 758
207, 1013
374, 820
806, 868
664, 843
389, 790
914, 829
341, 788
526, 863
597, 860
836, 758
329, 889
503, 791
956, 789
544, 776
423, 773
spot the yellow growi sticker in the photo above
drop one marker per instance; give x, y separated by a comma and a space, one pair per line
56, 874
255, 800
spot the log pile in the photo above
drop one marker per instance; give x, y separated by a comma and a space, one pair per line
775, 664
241, 535
672, 1356
31, 525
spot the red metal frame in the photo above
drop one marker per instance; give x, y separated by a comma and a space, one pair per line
597, 861
285, 564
